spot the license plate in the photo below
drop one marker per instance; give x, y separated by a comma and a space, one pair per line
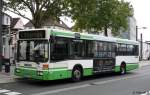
27, 65
26, 76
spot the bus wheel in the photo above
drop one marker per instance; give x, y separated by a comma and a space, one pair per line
76, 74
123, 69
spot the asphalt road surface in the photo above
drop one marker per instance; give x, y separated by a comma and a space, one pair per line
136, 82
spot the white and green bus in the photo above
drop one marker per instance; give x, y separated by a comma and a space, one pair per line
51, 54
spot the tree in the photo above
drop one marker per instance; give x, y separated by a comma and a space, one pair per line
119, 17
39, 9
98, 15
81, 12
101, 15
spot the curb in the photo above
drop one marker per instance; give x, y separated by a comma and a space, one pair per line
7, 78
144, 63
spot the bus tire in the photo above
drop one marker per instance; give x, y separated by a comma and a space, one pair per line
77, 74
123, 69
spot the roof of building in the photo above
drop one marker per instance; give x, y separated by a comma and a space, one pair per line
50, 22
28, 24
14, 22
7, 15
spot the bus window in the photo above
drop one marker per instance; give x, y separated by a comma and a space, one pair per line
79, 49
26, 50
136, 50
59, 49
89, 49
122, 48
68, 48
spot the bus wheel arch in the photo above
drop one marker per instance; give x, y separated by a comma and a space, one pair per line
77, 72
123, 68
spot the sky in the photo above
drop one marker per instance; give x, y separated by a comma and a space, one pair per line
141, 13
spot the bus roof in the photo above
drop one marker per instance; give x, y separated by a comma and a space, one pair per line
70, 34
32, 29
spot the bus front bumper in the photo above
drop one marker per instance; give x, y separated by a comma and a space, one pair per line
31, 73
44, 74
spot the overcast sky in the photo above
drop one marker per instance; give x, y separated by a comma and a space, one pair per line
141, 13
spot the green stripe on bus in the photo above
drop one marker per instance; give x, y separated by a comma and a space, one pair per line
59, 74
63, 34
129, 66
132, 66
126, 41
51, 74
31, 73
117, 69
87, 71
70, 34
87, 37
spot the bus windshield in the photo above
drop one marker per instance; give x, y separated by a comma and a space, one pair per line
28, 49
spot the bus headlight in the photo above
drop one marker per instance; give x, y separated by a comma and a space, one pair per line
17, 70
40, 73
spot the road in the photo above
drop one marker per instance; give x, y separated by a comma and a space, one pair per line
136, 82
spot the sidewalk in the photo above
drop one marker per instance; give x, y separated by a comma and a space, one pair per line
7, 77
144, 63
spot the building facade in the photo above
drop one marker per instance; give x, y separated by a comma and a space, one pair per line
146, 50
16, 25
10, 28
130, 33
6, 22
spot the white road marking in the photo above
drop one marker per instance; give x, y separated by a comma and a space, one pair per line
13, 93
63, 89
87, 85
4, 90
145, 93
8, 92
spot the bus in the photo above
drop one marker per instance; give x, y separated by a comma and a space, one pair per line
52, 54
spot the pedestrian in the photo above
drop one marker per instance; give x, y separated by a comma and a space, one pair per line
7, 66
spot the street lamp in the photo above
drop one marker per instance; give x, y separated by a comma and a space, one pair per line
1, 7
137, 31
141, 40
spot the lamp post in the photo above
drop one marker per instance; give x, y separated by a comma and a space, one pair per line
137, 28
1, 1
141, 46
141, 40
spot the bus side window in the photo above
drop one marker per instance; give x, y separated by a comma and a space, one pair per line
135, 50
59, 49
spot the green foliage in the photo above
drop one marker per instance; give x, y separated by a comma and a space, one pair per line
97, 15
82, 12
40, 9
100, 15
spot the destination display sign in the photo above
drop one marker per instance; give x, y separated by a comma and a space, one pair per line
32, 34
